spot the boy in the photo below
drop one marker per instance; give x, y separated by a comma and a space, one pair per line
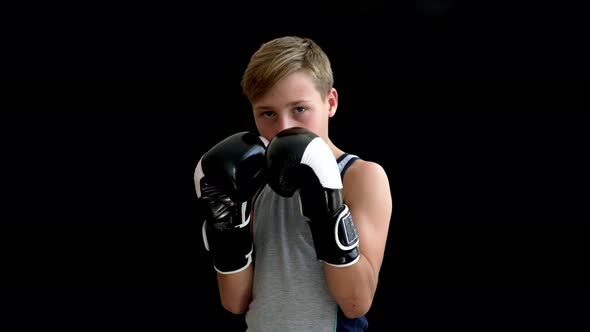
318, 226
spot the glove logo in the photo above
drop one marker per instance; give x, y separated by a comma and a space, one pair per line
345, 232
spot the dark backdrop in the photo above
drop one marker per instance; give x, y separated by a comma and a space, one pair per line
475, 112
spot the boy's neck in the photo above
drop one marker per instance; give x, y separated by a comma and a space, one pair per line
335, 150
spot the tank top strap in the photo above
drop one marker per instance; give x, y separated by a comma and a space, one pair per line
345, 161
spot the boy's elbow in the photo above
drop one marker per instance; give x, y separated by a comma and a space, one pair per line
235, 308
234, 302
235, 305
355, 310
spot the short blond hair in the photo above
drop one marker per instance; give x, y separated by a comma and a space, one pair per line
282, 56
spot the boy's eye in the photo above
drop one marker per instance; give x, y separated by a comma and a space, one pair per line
268, 114
300, 109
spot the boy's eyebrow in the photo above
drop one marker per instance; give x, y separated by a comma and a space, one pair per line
262, 108
293, 103
297, 102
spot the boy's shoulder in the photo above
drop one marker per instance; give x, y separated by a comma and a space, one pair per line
366, 184
364, 171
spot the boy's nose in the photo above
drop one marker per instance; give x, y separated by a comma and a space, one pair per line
284, 123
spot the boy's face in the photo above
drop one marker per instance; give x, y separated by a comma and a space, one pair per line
294, 101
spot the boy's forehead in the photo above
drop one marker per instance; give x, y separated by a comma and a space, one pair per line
291, 89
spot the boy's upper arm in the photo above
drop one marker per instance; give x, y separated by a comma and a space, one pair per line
368, 196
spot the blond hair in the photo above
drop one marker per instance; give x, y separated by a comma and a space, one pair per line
282, 56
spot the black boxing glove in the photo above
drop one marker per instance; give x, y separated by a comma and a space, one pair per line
298, 159
226, 179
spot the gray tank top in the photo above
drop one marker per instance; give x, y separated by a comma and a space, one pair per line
290, 292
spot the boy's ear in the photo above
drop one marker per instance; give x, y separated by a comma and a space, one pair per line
332, 102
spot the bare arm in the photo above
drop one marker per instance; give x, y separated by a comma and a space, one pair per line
367, 194
235, 290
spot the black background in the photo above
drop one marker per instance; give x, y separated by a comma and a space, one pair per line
475, 111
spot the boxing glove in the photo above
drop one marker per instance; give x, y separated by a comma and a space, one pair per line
299, 160
226, 178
